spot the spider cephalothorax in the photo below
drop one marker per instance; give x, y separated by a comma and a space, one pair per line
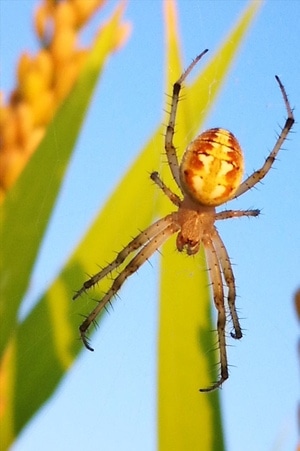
209, 175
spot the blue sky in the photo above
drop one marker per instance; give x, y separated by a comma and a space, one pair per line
108, 398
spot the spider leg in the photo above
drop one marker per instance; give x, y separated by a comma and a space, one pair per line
147, 250
230, 282
260, 173
218, 294
226, 214
172, 196
135, 244
169, 146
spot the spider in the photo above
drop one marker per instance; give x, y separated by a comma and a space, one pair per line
209, 175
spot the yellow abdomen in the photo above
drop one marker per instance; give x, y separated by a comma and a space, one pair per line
212, 167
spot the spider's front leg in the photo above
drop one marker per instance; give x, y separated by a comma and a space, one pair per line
146, 243
218, 295
144, 254
134, 245
226, 267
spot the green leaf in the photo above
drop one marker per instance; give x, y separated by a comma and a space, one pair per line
24, 218
28, 206
188, 419
51, 329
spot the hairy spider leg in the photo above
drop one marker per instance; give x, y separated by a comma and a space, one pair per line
134, 245
147, 250
228, 214
191, 213
172, 196
226, 267
258, 175
218, 295
169, 146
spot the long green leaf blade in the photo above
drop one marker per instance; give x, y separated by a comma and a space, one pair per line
28, 356
52, 326
29, 204
188, 419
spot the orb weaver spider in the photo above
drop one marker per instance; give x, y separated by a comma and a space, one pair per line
209, 175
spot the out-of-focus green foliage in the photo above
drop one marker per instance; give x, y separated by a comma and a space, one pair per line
38, 351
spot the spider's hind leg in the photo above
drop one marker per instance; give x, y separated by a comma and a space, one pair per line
258, 175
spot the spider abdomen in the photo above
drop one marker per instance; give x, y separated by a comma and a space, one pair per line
212, 167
